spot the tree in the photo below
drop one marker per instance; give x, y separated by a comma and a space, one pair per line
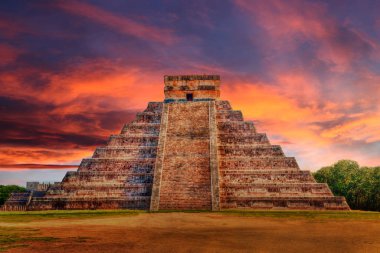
360, 186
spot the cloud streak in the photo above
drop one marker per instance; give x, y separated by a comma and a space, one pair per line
119, 23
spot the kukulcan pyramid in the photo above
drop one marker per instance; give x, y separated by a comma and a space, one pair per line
191, 151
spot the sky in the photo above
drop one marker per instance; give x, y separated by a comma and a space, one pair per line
74, 72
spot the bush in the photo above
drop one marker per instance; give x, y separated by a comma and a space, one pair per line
360, 185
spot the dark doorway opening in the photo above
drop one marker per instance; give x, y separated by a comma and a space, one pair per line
189, 97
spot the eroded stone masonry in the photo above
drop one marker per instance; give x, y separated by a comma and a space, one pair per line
191, 151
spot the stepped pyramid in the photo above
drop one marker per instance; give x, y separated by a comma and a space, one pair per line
191, 151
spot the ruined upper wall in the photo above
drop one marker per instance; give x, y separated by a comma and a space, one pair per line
192, 87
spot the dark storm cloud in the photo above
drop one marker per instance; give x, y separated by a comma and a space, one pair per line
10, 107
24, 123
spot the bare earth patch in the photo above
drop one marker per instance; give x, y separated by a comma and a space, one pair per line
191, 232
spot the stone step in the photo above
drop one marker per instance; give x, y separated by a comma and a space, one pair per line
223, 105
123, 140
228, 171
296, 202
148, 117
274, 185
228, 115
236, 127
154, 107
119, 179
274, 189
105, 186
251, 151
118, 165
107, 173
239, 139
125, 152
268, 176
141, 128
95, 202
256, 163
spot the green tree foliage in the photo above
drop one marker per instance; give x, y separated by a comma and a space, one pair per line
6, 190
360, 185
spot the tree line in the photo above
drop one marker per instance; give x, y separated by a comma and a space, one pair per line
360, 185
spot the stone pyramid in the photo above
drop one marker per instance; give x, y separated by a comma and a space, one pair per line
191, 151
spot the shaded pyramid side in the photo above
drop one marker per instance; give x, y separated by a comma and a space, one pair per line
256, 174
118, 175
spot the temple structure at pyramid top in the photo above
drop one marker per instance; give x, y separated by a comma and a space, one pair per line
192, 88
190, 151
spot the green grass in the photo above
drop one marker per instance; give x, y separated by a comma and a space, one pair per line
290, 214
306, 214
62, 214
85, 214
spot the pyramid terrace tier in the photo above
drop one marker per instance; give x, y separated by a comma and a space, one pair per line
222, 105
266, 176
229, 115
154, 107
296, 203
141, 129
236, 127
95, 177
258, 163
148, 117
125, 152
228, 189
133, 165
239, 139
249, 151
133, 141
80, 203
98, 188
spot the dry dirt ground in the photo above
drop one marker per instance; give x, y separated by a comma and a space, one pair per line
189, 232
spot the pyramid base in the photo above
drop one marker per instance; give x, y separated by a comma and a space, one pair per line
287, 203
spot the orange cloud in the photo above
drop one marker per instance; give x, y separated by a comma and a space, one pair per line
294, 114
364, 128
26, 155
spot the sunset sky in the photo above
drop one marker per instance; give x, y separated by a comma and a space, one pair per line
73, 72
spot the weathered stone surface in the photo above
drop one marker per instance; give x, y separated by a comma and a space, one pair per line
185, 181
192, 151
119, 175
